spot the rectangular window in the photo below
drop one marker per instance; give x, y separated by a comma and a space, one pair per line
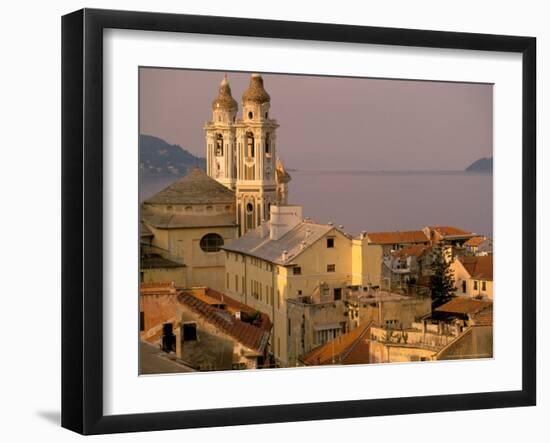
189, 332
278, 299
142, 321
236, 283
289, 327
331, 268
272, 298
475, 285
483, 285
278, 346
330, 242
337, 293
227, 281
297, 270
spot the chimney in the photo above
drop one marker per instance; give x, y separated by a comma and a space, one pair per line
238, 315
283, 219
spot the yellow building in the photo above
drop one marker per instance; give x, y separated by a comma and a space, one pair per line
288, 258
189, 221
473, 276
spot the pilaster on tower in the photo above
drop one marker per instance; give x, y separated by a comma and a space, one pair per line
256, 137
221, 158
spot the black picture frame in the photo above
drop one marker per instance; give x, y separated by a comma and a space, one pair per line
82, 218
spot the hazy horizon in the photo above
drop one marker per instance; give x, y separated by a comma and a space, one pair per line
334, 123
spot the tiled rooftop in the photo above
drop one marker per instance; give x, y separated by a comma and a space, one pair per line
156, 261
464, 305
450, 231
478, 267
251, 336
258, 244
347, 349
397, 237
194, 188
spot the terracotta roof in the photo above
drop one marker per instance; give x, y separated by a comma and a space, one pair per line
450, 231
347, 349
194, 188
484, 317
224, 100
213, 297
157, 261
479, 267
411, 251
256, 92
464, 305
252, 337
475, 241
397, 237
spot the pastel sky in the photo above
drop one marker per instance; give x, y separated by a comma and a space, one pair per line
334, 123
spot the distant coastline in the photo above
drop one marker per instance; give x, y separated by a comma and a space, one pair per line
159, 158
484, 164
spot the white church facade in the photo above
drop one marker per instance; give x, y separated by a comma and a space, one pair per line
241, 153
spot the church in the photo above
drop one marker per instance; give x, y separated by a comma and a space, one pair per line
184, 226
242, 153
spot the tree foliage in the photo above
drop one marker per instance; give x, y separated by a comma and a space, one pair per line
442, 279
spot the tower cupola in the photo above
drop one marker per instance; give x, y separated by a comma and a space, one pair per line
256, 92
224, 100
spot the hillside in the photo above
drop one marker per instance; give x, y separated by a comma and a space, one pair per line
482, 165
156, 157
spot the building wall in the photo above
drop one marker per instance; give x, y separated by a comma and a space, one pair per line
213, 350
401, 313
165, 275
383, 353
460, 275
306, 320
366, 263
262, 278
477, 342
157, 309
202, 268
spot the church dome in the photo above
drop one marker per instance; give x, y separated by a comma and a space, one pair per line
256, 92
224, 100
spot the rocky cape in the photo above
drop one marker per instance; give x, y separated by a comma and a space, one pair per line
157, 157
482, 165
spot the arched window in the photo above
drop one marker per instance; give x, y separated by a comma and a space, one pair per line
249, 216
268, 143
211, 242
250, 145
219, 145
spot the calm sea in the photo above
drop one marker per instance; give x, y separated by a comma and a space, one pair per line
384, 201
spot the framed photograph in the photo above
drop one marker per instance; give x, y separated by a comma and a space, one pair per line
270, 221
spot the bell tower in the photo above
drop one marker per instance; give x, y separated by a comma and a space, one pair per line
256, 141
221, 158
